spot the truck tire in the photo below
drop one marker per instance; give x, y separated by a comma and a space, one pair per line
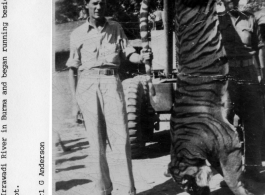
134, 98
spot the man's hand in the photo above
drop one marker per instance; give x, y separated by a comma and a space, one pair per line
262, 87
152, 91
262, 72
262, 80
151, 87
146, 58
75, 111
146, 54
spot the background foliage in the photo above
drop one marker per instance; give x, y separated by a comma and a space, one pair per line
124, 11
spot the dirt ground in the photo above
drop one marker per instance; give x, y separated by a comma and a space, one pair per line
74, 168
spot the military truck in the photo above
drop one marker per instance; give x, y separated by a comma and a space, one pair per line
145, 112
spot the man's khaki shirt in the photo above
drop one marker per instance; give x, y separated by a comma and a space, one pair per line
240, 35
90, 48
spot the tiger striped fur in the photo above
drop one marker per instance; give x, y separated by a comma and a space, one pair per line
199, 129
144, 31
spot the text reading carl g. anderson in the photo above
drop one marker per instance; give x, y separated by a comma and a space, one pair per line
42, 148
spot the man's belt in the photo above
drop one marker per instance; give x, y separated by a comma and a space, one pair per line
235, 63
104, 71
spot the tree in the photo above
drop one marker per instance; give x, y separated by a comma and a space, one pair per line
67, 10
123, 11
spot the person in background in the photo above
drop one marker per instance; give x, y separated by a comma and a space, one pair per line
83, 13
243, 44
96, 51
159, 17
260, 17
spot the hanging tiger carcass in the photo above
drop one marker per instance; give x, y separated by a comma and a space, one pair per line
200, 131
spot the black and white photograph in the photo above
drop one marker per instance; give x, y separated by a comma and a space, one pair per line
157, 97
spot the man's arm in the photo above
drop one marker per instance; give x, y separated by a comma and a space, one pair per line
140, 59
258, 44
261, 57
137, 58
72, 79
72, 74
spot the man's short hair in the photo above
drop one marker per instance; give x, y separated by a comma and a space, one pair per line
236, 2
87, 1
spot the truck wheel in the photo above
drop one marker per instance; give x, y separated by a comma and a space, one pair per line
134, 98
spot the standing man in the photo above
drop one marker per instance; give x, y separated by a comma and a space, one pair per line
82, 13
260, 17
242, 42
97, 48
159, 17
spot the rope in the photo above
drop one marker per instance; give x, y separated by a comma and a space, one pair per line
223, 78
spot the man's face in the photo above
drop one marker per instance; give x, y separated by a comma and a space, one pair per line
96, 8
243, 2
228, 4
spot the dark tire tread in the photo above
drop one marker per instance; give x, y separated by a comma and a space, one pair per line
134, 93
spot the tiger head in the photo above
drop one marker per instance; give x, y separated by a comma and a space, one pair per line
194, 180
190, 186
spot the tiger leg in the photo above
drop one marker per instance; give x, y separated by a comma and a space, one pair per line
203, 176
231, 165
